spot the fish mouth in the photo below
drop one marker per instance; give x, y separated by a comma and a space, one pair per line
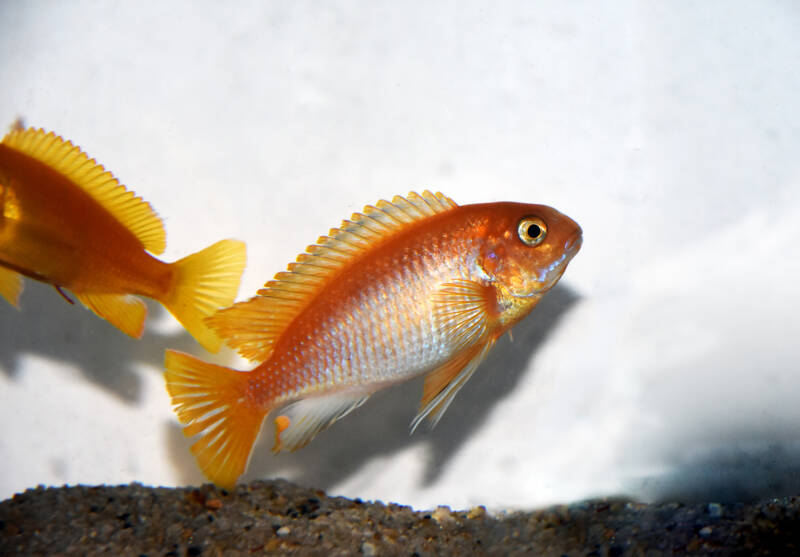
550, 274
547, 277
573, 245
533, 283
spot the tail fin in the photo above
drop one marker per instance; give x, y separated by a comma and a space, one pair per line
205, 282
209, 400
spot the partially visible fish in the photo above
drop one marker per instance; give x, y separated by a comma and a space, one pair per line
66, 221
415, 286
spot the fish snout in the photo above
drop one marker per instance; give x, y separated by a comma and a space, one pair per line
574, 243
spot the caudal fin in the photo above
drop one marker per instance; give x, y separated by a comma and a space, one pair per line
209, 400
205, 282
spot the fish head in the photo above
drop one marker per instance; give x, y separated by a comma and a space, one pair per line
528, 247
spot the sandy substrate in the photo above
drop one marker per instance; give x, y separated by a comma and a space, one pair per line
279, 517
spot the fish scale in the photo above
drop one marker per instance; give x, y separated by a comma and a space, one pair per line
407, 325
413, 286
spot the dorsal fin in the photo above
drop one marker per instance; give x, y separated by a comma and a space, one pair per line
68, 160
252, 327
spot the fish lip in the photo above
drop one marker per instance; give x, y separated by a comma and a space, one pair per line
554, 271
548, 277
574, 244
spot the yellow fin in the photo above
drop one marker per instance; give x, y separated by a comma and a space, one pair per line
68, 160
10, 286
301, 421
17, 125
204, 282
253, 326
462, 309
442, 384
125, 311
209, 400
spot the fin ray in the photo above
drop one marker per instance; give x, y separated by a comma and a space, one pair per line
125, 311
11, 285
206, 281
209, 401
442, 384
462, 310
70, 161
301, 421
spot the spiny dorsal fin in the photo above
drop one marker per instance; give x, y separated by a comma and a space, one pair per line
68, 160
252, 327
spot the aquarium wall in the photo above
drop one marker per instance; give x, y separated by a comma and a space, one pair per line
664, 365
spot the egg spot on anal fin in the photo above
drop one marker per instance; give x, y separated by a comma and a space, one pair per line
299, 422
281, 423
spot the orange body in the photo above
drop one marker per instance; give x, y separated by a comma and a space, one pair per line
370, 321
415, 286
66, 221
53, 231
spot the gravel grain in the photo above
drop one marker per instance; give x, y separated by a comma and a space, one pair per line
278, 517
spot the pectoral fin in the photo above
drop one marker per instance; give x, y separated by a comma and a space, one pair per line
462, 309
462, 312
442, 384
299, 422
10, 286
126, 312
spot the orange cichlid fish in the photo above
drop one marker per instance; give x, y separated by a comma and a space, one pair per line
66, 221
416, 286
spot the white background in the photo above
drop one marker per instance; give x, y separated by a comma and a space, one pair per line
664, 365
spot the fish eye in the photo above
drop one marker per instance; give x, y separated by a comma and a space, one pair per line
532, 231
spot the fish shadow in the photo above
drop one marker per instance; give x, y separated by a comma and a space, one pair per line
380, 428
745, 471
47, 326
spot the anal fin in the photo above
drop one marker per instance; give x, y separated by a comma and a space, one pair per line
125, 311
10, 286
299, 422
442, 384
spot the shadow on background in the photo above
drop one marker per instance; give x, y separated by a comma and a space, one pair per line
741, 473
47, 326
381, 426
